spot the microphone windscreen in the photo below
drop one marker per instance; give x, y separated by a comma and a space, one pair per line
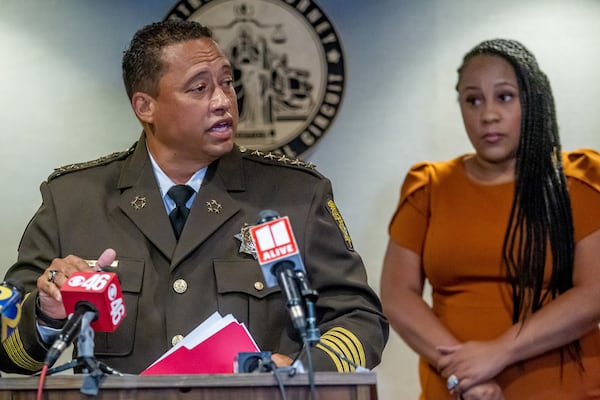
11, 297
266, 216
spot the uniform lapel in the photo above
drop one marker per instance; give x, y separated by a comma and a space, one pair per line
213, 205
142, 203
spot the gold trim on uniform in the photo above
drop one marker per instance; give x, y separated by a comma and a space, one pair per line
213, 206
336, 360
139, 202
16, 352
346, 343
337, 216
65, 169
338, 342
86, 164
277, 157
92, 263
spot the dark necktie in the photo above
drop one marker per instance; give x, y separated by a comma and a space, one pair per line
180, 194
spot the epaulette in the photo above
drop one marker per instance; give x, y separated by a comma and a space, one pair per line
277, 158
65, 169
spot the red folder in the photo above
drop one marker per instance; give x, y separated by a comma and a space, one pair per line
213, 355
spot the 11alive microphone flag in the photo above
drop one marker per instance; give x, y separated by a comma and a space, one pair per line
274, 242
102, 289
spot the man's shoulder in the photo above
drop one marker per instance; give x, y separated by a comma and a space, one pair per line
86, 165
272, 159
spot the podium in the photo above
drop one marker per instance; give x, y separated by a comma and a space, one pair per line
263, 386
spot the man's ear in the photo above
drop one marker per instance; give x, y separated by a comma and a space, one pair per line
143, 106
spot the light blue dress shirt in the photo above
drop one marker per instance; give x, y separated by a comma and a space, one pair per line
165, 183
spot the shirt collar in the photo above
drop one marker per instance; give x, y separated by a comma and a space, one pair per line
165, 183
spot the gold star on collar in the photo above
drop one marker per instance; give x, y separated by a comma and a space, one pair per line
247, 244
139, 202
213, 206
284, 159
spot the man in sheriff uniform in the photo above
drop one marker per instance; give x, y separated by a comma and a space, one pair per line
180, 86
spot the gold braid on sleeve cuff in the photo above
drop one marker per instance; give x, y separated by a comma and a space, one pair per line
342, 341
15, 350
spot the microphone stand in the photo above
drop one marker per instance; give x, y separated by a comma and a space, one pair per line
95, 370
309, 295
312, 334
85, 349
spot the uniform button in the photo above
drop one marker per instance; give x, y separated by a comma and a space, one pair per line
180, 286
176, 339
259, 286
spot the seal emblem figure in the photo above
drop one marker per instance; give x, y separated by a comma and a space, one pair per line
288, 65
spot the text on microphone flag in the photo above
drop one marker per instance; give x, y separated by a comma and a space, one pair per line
101, 289
274, 240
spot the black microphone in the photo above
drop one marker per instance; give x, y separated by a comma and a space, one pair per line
286, 277
70, 331
278, 256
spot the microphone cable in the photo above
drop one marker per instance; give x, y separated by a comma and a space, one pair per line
311, 371
41, 382
276, 370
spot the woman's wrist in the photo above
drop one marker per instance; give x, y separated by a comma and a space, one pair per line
505, 350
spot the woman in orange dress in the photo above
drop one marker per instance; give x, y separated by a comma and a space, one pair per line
509, 239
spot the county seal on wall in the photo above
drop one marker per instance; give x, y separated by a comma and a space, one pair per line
288, 65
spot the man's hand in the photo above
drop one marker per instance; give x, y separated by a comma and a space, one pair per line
57, 274
281, 360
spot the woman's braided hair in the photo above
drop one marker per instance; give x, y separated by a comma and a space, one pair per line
541, 210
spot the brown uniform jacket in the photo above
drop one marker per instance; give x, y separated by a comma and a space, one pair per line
115, 202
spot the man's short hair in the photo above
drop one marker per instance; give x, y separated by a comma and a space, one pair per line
142, 61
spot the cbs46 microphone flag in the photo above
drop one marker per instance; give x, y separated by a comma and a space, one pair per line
103, 290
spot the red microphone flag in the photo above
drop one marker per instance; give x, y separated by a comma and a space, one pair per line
102, 289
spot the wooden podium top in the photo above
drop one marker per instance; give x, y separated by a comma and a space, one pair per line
329, 385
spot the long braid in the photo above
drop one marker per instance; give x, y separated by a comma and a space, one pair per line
541, 211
